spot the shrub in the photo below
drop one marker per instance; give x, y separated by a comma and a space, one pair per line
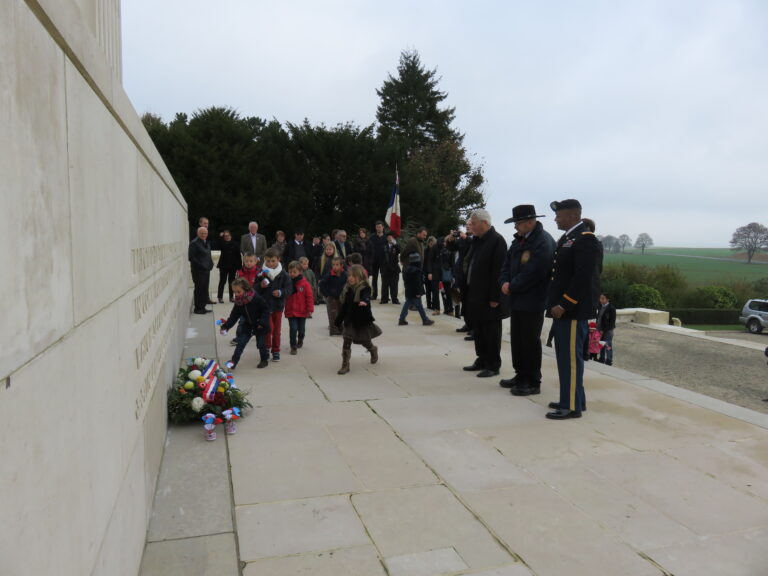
705, 316
670, 282
718, 297
760, 288
644, 296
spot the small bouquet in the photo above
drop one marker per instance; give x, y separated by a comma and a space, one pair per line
203, 388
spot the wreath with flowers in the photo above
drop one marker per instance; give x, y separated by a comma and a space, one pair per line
203, 388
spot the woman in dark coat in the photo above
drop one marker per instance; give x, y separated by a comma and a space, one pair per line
362, 245
229, 263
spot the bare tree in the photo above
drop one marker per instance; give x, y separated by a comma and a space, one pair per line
624, 241
643, 241
611, 244
752, 238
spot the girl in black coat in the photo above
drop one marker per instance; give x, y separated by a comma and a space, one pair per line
356, 317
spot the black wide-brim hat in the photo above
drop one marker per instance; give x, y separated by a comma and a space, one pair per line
523, 212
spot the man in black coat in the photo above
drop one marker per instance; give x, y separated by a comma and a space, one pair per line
524, 279
378, 244
606, 323
571, 301
486, 305
201, 264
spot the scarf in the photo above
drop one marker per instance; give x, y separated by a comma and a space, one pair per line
296, 281
273, 272
243, 299
357, 289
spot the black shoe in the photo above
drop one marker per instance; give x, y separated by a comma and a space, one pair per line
469, 338
395, 301
509, 383
211, 302
263, 364
473, 367
487, 373
383, 301
526, 390
556, 406
294, 351
200, 312
428, 322
402, 323
563, 414
464, 328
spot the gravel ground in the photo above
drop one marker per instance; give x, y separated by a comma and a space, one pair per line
729, 372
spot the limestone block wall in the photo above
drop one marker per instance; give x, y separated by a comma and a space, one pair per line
95, 295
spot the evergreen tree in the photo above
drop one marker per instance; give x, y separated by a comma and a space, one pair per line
439, 184
410, 109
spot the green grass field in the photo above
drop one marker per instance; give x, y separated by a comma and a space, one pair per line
697, 264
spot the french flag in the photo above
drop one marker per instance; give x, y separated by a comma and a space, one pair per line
393, 211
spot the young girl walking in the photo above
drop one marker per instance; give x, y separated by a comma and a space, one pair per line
356, 317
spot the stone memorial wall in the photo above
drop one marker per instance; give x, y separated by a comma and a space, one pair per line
95, 286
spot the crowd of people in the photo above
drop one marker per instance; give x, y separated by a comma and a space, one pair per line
471, 274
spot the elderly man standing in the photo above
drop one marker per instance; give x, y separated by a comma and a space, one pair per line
571, 301
524, 280
253, 241
485, 303
201, 263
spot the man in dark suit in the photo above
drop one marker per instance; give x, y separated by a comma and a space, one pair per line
201, 264
296, 249
253, 242
571, 301
606, 323
524, 280
485, 302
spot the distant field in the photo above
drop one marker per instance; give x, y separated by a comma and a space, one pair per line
697, 264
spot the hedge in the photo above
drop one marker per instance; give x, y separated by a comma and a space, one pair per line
705, 315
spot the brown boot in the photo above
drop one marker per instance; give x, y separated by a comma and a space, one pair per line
374, 354
345, 356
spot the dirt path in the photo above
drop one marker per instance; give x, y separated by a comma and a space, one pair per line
731, 373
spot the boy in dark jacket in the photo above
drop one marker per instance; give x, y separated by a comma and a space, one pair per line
414, 288
299, 306
331, 285
254, 312
274, 286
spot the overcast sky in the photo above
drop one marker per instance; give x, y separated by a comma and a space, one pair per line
654, 114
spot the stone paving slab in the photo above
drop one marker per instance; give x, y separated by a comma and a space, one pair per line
299, 526
358, 561
179, 511
214, 555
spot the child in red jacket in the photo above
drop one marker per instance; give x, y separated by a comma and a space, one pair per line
594, 341
298, 306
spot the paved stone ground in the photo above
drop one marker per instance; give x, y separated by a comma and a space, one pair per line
411, 467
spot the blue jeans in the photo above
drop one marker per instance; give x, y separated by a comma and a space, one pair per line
606, 353
415, 301
244, 333
569, 345
296, 328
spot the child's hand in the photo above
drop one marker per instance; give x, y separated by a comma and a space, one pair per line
222, 331
264, 283
276, 293
363, 304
